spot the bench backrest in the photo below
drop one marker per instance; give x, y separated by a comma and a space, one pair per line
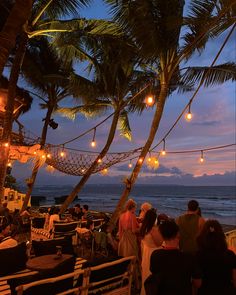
115, 277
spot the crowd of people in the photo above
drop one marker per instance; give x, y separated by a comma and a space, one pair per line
177, 257
183, 256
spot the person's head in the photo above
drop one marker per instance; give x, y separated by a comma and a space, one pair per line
5, 229
148, 222
90, 224
193, 206
130, 205
56, 210
144, 208
85, 208
212, 238
169, 230
77, 208
161, 218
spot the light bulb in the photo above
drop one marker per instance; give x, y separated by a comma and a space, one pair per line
35, 153
43, 156
189, 116
201, 160
9, 164
149, 159
93, 143
149, 100
48, 156
62, 154
99, 160
6, 144
140, 160
163, 153
130, 165
82, 170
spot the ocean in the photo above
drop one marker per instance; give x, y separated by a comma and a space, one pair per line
217, 202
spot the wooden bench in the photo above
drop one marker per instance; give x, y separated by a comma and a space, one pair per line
5, 288
112, 278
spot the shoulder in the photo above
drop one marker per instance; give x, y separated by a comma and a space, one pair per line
8, 243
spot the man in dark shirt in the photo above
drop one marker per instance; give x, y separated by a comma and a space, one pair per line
86, 214
77, 214
173, 272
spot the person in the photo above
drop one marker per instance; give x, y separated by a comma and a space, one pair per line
218, 264
77, 213
53, 217
151, 240
190, 225
128, 244
173, 272
6, 240
144, 208
86, 214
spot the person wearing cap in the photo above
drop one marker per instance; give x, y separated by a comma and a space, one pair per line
190, 225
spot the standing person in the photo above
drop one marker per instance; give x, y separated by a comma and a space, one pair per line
144, 208
151, 240
173, 272
190, 225
53, 217
218, 264
77, 214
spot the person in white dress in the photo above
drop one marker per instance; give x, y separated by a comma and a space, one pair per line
151, 240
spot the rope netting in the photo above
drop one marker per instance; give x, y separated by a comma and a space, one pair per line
77, 162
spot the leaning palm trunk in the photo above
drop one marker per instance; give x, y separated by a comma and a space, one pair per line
104, 151
8, 118
37, 163
16, 19
131, 181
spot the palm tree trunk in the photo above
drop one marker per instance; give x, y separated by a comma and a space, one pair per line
131, 181
37, 163
88, 173
8, 118
13, 26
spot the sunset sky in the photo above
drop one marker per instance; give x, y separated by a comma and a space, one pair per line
213, 124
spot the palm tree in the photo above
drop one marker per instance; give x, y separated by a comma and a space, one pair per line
160, 43
115, 80
13, 25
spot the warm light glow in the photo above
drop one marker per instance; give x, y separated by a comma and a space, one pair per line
82, 170
140, 160
149, 100
6, 144
189, 116
62, 154
43, 156
201, 160
149, 159
48, 156
130, 165
99, 160
93, 143
163, 153
35, 153
9, 164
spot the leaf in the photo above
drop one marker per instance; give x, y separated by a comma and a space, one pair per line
124, 126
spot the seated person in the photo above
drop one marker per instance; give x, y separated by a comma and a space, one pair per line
53, 217
173, 272
77, 213
6, 240
86, 214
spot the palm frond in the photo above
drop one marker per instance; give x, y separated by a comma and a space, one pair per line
213, 75
124, 126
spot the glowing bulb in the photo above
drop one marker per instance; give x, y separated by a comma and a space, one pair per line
189, 116
62, 154
201, 160
9, 164
163, 153
48, 156
156, 162
149, 100
149, 159
99, 160
93, 143
43, 156
82, 170
140, 160
130, 165
35, 153
6, 144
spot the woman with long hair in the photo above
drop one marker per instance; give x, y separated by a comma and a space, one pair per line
151, 240
217, 262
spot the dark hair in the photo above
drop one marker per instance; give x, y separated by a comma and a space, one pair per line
89, 223
193, 205
56, 210
86, 207
212, 238
148, 222
77, 205
161, 218
168, 229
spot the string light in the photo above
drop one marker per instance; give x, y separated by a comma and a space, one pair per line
43, 156
130, 164
9, 164
93, 142
62, 153
149, 100
140, 160
202, 158
99, 160
104, 171
6, 144
150, 157
163, 152
48, 156
189, 115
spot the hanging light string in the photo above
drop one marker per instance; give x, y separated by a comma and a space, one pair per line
108, 117
198, 88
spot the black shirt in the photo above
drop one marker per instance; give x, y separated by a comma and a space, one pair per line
174, 271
